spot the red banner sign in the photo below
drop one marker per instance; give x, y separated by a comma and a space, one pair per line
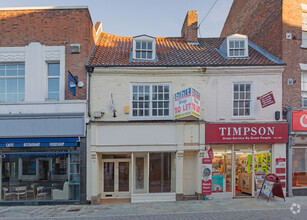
246, 133
206, 186
266, 99
299, 120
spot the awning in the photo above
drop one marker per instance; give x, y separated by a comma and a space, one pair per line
39, 142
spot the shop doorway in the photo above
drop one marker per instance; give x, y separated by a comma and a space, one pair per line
243, 174
116, 178
189, 177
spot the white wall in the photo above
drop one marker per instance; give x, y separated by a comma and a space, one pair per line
117, 81
218, 92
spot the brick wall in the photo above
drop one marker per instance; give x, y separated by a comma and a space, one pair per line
292, 53
189, 27
52, 27
260, 20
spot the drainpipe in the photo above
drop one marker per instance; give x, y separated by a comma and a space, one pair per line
89, 72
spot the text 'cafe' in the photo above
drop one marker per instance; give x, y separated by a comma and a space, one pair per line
243, 153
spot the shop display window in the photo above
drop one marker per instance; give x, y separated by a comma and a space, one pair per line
299, 166
262, 163
221, 169
39, 175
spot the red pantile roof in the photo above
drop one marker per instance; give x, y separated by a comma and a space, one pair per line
111, 50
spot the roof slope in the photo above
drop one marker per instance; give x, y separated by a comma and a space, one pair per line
111, 50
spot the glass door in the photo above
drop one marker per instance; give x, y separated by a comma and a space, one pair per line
244, 175
116, 178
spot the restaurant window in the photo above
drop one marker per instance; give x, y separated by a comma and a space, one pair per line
29, 175
28, 166
299, 166
151, 101
12, 83
242, 101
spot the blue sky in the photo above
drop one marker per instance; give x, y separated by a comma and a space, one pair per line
159, 18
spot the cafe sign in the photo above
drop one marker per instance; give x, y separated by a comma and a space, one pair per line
246, 133
187, 103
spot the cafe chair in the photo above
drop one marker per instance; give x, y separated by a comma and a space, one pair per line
22, 192
41, 193
58, 194
32, 190
8, 195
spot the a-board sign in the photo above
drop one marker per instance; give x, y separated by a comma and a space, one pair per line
271, 186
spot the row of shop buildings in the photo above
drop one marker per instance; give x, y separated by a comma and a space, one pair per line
87, 115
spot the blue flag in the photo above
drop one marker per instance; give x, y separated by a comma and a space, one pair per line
72, 84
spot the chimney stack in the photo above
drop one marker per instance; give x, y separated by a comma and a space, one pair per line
189, 27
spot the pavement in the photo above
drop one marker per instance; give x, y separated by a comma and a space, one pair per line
246, 208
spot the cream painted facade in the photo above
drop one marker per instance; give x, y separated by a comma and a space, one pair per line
218, 100
107, 135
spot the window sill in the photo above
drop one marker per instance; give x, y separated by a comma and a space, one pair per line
150, 119
243, 118
304, 46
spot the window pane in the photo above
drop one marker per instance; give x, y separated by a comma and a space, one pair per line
160, 169
53, 69
134, 104
147, 96
241, 95
146, 112
135, 96
236, 52
247, 111
141, 88
248, 87
154, 88
53, 84
149, 55
241, 44
154, 112
236, 104
231, 44
21, 70
248, 96
54, 95
138, 54
160, 104
144, 45
160, 97
236, 87
299, 164
242, 87
143, 54
236, 95
241, 52
166, 104
146, 104
138, 45
2, 70
166, 112
154, 96
154, 104
2, 85
146, 88
166, 96
140, 104
149, 45
21, 85
11, 85
231, 52
11, 70
134, 113
166, 88
235, 112
160, 88
135, 89
141, 112
160, 111
237, 44
241, 111
11, 98
241, 104
2, 98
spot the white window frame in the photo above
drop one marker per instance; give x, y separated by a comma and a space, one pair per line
53, 77
237, 38
251, 112
15, 77
303, 75
150, 117
147, 40
304, 25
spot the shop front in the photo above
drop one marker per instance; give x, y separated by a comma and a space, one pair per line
43, 164
243, 154
297, 153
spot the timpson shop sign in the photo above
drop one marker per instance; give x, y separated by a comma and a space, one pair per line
246, 133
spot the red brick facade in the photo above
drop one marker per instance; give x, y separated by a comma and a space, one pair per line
53, 27
266, 24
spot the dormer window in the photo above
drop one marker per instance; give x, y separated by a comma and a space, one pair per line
144, 48
237, 46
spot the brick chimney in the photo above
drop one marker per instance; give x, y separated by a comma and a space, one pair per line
189, 27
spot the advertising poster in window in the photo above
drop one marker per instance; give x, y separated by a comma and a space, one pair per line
281, 170
187, 103
206, 171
